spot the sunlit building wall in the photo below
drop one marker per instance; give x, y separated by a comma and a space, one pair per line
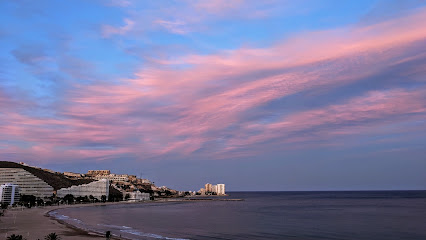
27, 182
208, 187
96, 189
221, 189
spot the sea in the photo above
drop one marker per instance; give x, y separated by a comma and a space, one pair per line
358, 215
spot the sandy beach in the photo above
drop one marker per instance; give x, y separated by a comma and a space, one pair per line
34, 223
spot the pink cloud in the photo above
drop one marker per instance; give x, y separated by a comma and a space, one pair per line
167, 110
376, 45
361, 111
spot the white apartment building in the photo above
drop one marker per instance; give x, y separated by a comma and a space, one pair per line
9, 193
138, 196
27, 182
220, 189
96, 189
208, 187
214, 189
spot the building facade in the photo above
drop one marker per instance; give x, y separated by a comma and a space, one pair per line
220, 189
209, 187
214, 189
27, 182
98, 172
96, 189
113, 177
138, 196
9, 193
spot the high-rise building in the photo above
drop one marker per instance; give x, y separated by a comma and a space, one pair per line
29, 183
9, 193
35, 181
214, 189
208, 187
221, 189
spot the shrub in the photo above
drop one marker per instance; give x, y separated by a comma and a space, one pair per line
15, 237
52, 236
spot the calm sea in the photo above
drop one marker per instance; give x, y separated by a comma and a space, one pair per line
370, 215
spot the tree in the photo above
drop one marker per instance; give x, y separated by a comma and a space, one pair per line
79, 199
4, 205
40, 202
28, 200
69, 198
115, 196
52, 236
15, 237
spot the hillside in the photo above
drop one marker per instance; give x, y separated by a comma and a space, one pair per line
56, 180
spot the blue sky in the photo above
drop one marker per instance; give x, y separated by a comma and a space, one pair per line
260, 95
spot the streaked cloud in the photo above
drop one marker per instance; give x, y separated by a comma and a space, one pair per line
218, 105
277, 85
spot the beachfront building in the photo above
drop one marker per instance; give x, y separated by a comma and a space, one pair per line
9, 193
97, 189
28, 183
208, 187
214, 189
138, 196
35, 181
220, 189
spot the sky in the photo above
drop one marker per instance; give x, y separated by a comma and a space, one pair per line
260, 95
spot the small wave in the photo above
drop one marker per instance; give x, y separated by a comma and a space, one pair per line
114, 226
125, 229
66, 218
60, 216
150, 235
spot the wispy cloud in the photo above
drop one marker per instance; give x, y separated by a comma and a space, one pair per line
108, 30
166, 110
177, 27
229, 102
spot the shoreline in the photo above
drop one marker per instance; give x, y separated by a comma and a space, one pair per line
36, 222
